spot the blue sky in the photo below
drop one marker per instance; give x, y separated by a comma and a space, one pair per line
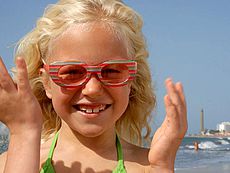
187, 40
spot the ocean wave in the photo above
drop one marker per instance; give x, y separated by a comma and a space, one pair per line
207, 145
223, 142
204, 145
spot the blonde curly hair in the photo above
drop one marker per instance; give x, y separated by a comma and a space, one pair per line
127, 23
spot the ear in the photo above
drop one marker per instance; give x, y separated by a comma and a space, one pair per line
130, 85
48, 92
46, 83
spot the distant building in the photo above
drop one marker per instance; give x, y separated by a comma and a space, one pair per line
224, 127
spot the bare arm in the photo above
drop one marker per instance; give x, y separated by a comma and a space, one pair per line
21, 112
23, 153
2, 161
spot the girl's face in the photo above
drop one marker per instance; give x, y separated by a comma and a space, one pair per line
93, 108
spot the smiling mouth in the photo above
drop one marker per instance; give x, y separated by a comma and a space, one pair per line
90, 109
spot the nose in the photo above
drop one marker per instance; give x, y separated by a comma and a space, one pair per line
93, 88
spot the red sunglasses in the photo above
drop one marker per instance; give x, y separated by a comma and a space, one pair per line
73, 74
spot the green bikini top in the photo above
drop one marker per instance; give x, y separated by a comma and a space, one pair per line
48, 167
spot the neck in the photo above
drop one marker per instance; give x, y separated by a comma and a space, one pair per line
101, 143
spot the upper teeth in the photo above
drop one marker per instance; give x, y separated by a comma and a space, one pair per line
87, 109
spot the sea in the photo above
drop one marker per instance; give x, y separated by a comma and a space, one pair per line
4, 143
212, 150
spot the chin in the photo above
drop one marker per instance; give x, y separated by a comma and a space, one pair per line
91, 131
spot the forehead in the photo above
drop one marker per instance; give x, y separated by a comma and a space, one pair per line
90, 43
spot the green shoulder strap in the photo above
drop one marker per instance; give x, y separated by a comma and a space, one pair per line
50, 156
120, 166
48, 167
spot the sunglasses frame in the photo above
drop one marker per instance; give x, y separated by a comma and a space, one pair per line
53, 70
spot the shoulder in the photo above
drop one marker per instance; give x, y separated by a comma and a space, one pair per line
134, 153
135, 157
3, 157
44, 151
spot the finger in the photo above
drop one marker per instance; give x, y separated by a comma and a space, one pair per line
176, 129
172, 92
171, 118
22, 75
170, 108
176, 97
175, 92
179, 88
180, 91
6, 81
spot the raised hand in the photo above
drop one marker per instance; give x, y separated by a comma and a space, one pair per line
169, 135
21, 112
19, 109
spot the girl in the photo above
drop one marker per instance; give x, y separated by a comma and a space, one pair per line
83, 86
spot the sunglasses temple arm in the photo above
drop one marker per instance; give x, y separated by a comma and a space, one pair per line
45, 66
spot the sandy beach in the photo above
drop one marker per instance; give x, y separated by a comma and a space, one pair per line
215, 168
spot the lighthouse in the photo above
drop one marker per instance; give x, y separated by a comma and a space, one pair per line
202, 122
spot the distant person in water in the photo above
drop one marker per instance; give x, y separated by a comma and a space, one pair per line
196, 146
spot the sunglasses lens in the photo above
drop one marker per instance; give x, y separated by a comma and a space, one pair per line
115, 73
72, 74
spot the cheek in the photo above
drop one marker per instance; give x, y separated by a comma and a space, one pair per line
58, 99
58, 92
122, 96
61, 103
61, 98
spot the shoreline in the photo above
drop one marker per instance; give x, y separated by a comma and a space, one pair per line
214, 168
208, 136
